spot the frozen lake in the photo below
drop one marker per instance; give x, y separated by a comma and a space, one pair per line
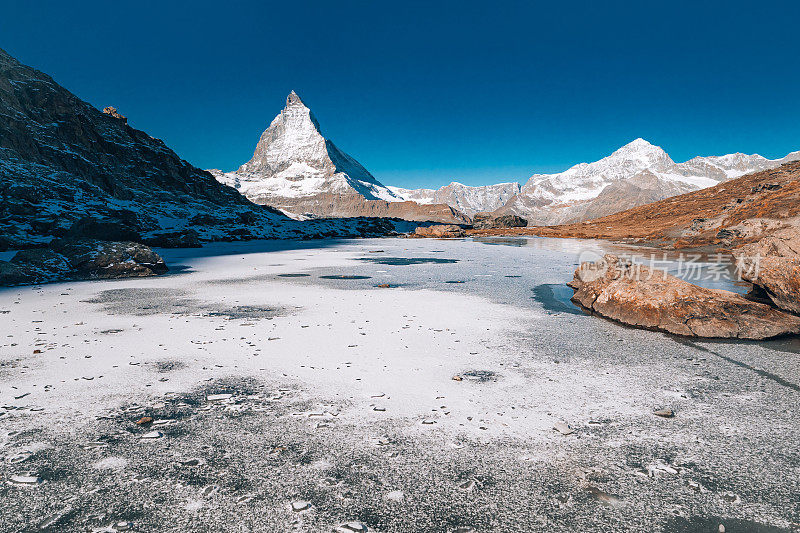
395, 384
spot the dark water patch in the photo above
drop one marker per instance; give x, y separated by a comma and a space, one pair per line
513, 276
166, 365
155, 301
178, 269
344, 276
481, 376
698, 524
293, 275
556, 298
144, 301
246, 311
404, 261
508, 241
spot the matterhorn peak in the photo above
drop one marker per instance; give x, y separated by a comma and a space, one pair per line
293, 98
292, 159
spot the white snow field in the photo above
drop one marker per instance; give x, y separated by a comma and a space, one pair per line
290, 389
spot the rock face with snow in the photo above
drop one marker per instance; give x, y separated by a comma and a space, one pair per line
638, 173
292, 160
62, 160
81, 259
294, 168
467, 199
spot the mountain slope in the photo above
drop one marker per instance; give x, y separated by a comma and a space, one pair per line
467, 199
62, 160
729, 214
636, 174
296, 169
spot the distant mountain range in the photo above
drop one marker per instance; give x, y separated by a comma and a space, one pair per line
638, 173
297, 170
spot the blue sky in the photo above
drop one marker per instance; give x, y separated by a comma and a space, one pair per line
423, 93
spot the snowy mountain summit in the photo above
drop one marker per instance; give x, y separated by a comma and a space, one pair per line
297, 170
293, 160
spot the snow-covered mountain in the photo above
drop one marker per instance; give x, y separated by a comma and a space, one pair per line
636, 174
467, 199
293, 160
633, 175
295, 169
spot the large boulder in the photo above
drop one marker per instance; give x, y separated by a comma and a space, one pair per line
648, 298
489, 221
77, 260
773, 263
440, 231
509, 221
482, 220
102, 259
16, 274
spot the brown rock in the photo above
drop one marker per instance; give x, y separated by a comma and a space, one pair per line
490, 221
664, 413
440, 231
773, 263
112, 111
652, 299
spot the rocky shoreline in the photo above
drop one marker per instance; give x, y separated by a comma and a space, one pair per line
649, 298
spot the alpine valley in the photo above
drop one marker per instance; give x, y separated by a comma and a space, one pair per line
295, 344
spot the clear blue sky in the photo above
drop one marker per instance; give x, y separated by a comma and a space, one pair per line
423, 93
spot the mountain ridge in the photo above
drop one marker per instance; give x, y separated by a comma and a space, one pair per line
590, 190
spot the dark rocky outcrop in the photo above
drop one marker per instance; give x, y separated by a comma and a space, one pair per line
80, 260
642, 297
62, 160
103, 230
